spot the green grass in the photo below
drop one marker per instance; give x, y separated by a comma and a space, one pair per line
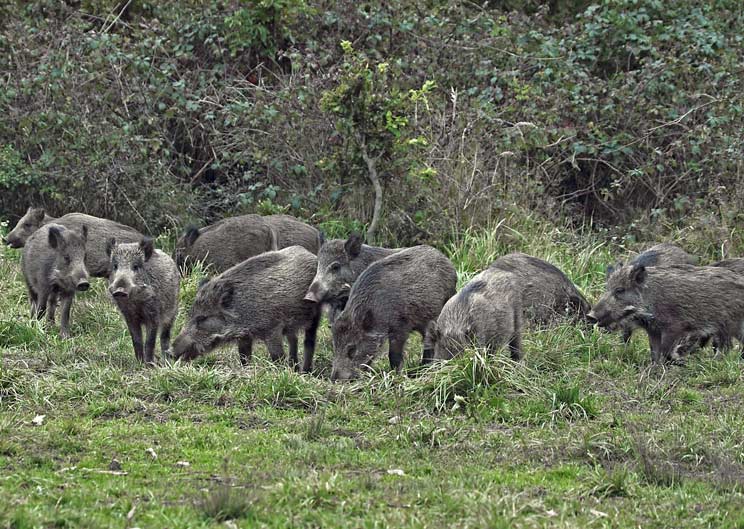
582, 433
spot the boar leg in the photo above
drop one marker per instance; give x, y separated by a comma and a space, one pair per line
41, 304
33, 299
135, 330
275, 346
52, 306
292, 340
395, 353
245, 350
309, 344
627, 334
515, 347
165, 336
152, 335
64, 323
654, 342
427, 355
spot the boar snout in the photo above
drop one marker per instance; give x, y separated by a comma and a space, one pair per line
592, 318
11, 242
83, 285
314, 293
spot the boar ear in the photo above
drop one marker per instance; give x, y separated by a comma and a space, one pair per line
55, 237
146, 245
638, 274
84, 232
37, 214
227, 293
321, 239
110, 245
368, 321
353, 245
190, 235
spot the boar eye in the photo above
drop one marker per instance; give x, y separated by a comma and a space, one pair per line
335, 266
619, 291
27, 225
67, 259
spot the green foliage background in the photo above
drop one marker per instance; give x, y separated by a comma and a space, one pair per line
622, 114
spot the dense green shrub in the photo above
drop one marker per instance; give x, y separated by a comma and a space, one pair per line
620, 113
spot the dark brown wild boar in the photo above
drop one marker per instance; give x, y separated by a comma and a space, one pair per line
661, 254
340, 263
392, 297
260, 298
679, 307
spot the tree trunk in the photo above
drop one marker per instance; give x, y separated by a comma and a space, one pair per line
375, 179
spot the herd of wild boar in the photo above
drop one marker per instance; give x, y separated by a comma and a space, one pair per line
275, 274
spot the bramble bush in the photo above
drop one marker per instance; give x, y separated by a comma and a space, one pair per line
622, 115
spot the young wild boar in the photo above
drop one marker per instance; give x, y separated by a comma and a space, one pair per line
487, 312
53, 264
339, 264
662, 254
259, 298
392, 297
34, 219
547, 294
679, 307
144, 286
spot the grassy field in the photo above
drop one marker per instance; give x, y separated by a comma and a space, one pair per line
583, 433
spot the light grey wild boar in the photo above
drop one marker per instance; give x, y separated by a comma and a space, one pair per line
392, 297
487, 312
680, 307
53, 264
662, 254
260, 298
340, 263
33, 219
235, 239
144, 285
547, 294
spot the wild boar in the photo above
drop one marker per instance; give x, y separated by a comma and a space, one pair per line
99, 232
735, 265
662, 254
235, 239
392, 297
259, 298
679, 306
53, 264
339, 265
487, 312
144, 286
547, 294
291, 231
34, 219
